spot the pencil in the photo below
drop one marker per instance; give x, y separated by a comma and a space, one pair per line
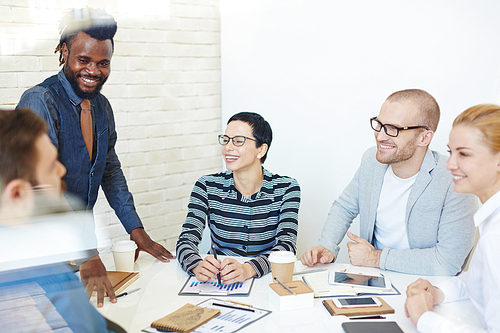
284, 286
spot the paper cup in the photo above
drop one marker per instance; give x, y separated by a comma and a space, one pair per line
282, 263
124, 253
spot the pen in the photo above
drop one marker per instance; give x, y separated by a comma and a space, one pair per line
284, 286
233, 307
248, 305
327, 308
367, 317
311, 271
215, 256
128, 292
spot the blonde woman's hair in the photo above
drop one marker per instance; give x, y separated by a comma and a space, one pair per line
486, 118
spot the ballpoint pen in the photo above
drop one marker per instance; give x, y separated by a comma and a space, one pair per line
233, 307
128, 292
215, 256
310, 271
284, 286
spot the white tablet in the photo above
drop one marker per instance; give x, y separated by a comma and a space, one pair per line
359, 280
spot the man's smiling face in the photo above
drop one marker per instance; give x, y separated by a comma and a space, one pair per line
87, 64
398, 149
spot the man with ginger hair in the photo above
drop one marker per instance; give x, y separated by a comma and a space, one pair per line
411, 220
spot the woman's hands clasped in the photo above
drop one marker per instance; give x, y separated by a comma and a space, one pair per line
230, 270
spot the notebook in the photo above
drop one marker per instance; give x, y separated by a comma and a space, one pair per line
374, 310
185, 319
120, 280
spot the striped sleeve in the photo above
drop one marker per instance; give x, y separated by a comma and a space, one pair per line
286, 233
192, 230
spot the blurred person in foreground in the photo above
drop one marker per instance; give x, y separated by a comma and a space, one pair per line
41, 293
249, 210
82, 126
474, 162
410, 219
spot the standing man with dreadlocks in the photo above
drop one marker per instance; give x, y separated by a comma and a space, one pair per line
82, 127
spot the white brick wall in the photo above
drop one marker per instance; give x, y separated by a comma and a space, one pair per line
164, 89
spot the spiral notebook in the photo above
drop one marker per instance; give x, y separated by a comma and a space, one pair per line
185, 319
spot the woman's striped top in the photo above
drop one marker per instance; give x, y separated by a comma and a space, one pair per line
239, 226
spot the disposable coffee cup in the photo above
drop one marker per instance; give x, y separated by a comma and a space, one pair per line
123, 253
282, 263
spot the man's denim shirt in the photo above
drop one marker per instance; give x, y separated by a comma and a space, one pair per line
56, 102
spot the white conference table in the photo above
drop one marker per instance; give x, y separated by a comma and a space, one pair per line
161, 282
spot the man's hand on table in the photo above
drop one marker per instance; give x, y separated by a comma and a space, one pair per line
233, 271
94, 277
362, 253
315, 255
146, 244
207, 269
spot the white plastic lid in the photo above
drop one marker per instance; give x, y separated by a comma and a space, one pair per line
124, 246
282, 257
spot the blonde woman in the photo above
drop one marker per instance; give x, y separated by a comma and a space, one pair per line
474, 162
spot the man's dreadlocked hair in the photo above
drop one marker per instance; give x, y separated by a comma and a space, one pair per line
94, 22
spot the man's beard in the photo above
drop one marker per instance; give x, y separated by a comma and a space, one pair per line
72, 79
405, 153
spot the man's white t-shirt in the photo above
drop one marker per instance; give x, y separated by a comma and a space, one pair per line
390, 225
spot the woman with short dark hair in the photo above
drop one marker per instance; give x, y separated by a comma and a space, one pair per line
250, 211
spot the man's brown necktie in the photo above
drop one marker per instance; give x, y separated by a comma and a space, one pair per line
86, 125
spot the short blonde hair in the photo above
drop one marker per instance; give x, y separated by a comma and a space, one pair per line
486, 118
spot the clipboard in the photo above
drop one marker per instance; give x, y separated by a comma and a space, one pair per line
233, 316
194, 287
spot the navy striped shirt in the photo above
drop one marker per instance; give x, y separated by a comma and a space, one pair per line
239, 226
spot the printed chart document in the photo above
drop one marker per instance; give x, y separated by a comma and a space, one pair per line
213, 288
319, 283
233, 317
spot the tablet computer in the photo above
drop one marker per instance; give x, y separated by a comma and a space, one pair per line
359, 280
372, 327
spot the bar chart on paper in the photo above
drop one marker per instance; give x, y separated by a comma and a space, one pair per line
212, 287
230, 319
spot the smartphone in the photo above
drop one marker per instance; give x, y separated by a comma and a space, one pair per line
356, 302
361, 280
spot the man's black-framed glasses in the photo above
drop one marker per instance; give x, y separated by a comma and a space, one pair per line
238, 140
391, 130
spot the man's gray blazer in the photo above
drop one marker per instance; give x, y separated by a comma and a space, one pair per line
439, 222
